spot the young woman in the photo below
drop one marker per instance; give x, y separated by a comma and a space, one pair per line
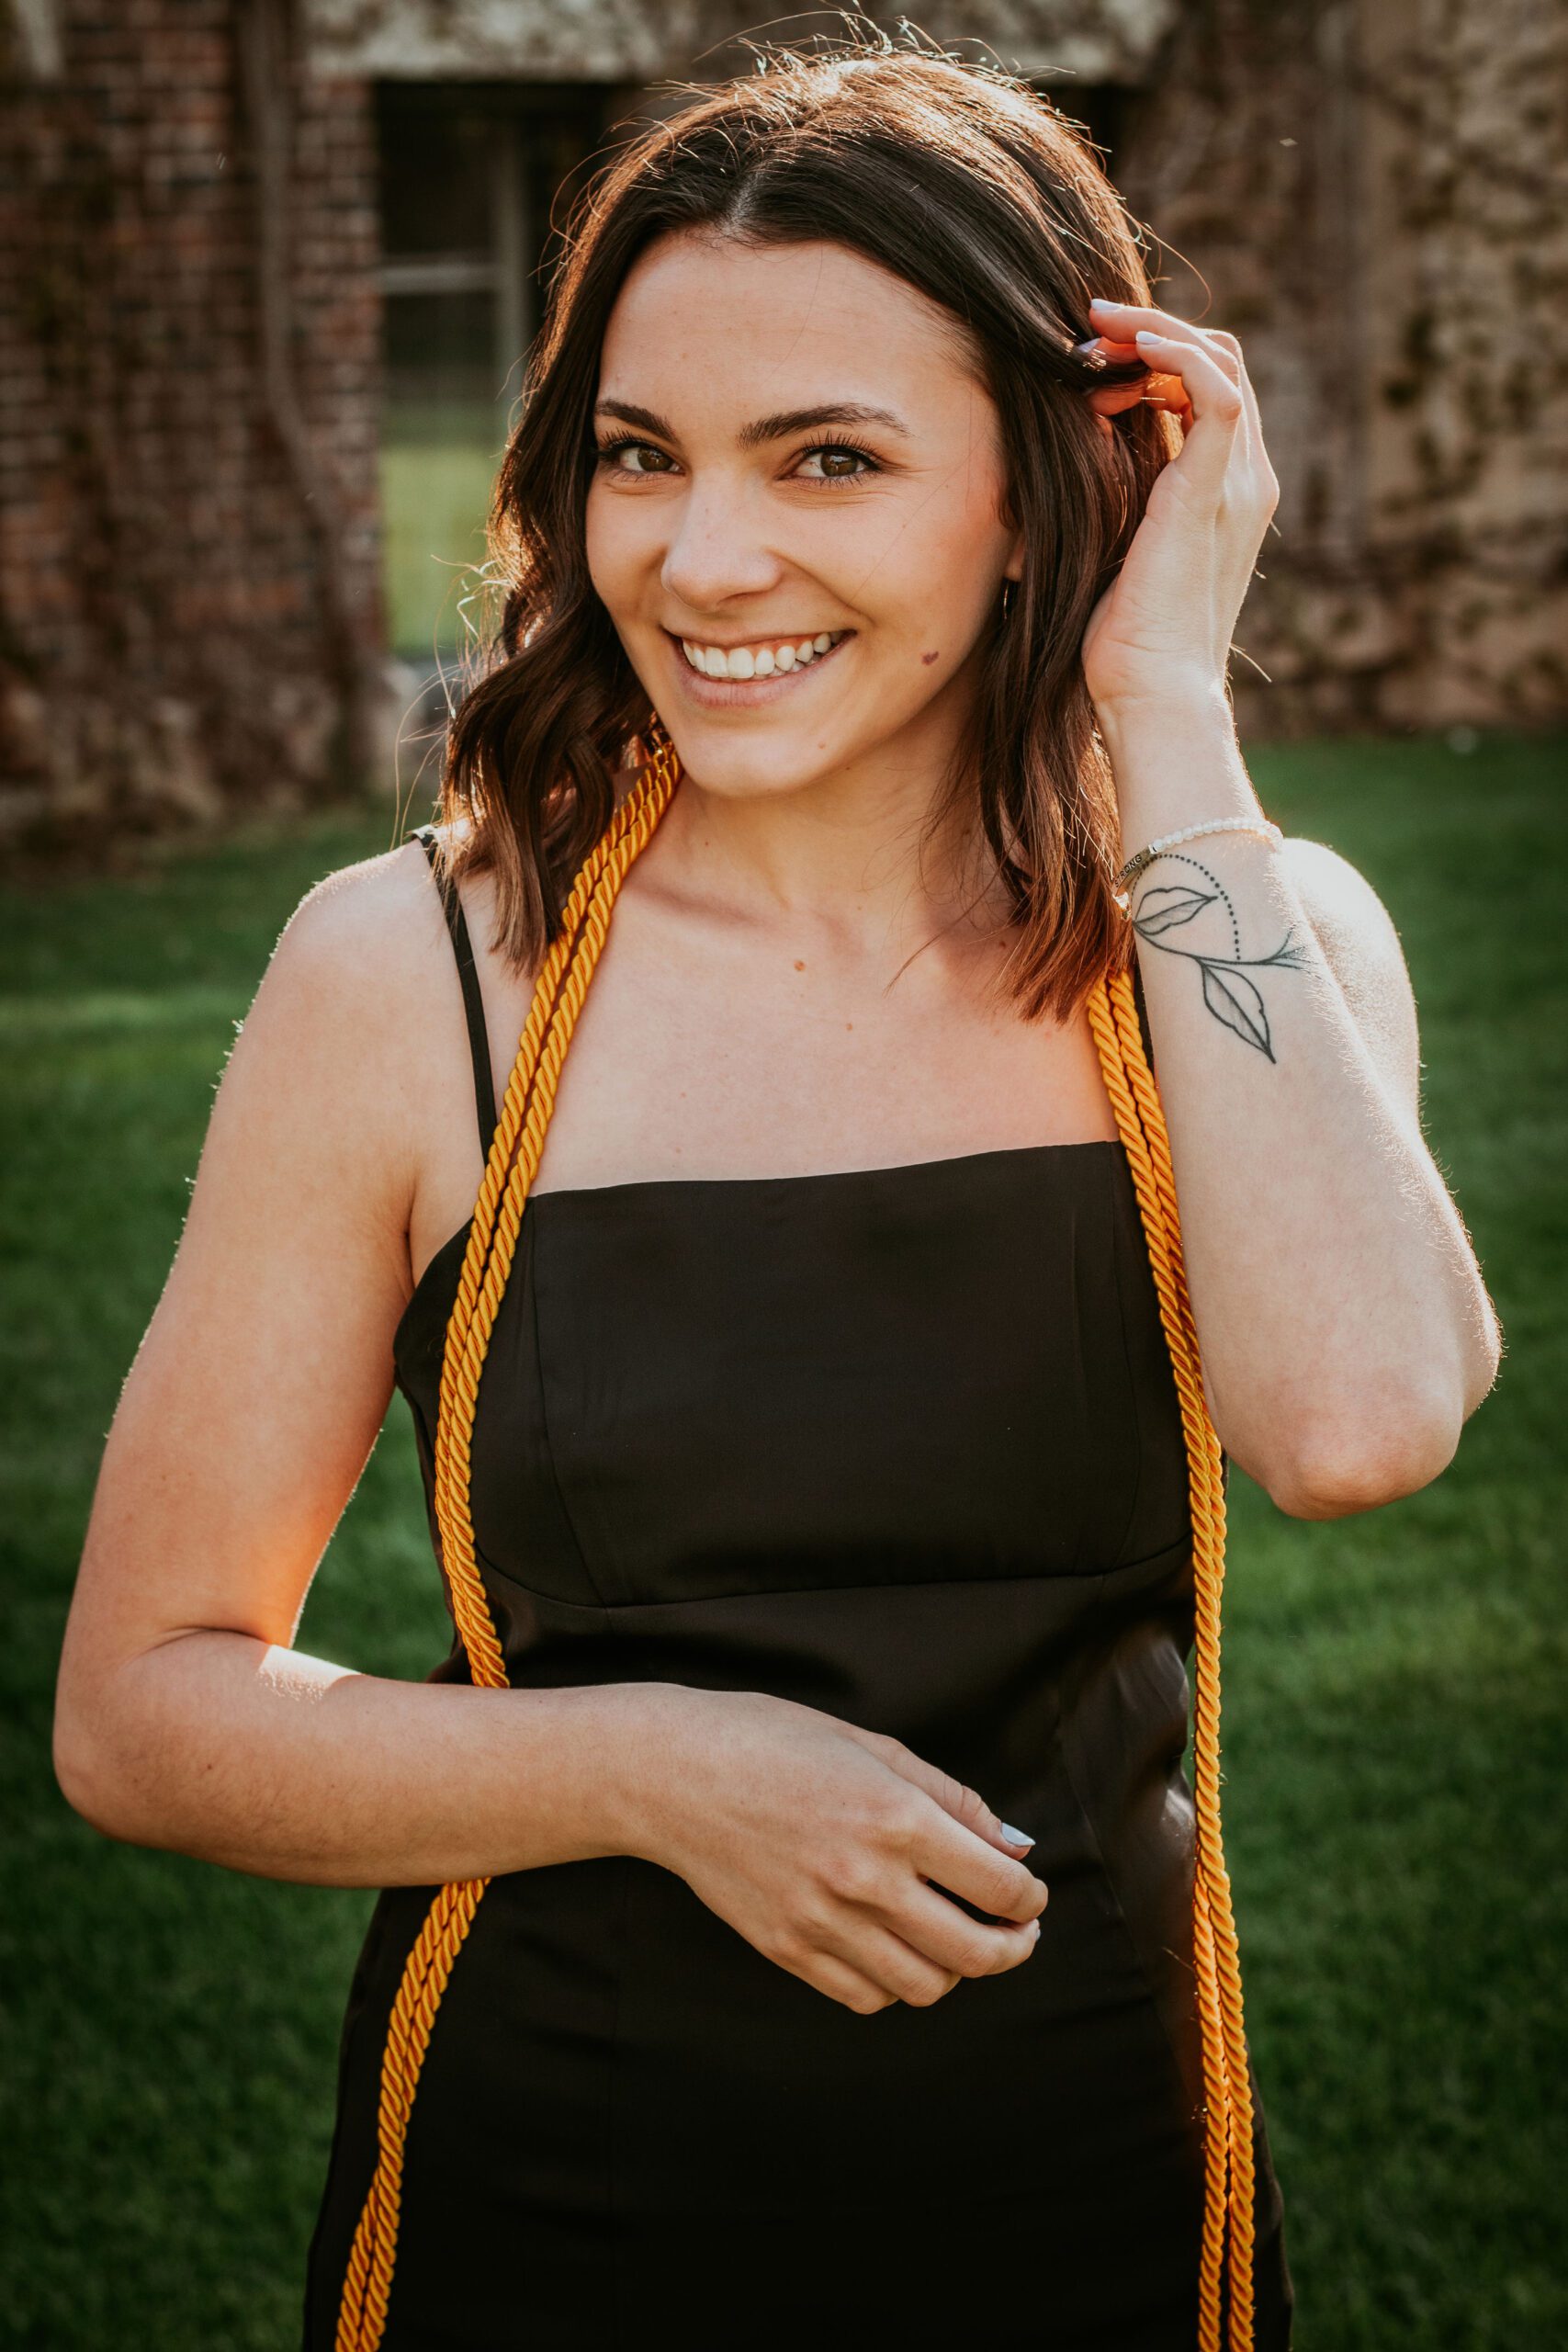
795, 1923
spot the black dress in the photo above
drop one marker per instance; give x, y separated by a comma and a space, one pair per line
901, 1444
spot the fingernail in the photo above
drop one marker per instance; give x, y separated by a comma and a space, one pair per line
1015, 1837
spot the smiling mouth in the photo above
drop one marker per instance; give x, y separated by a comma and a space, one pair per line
765, 661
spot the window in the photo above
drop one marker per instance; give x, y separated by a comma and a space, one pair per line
468, 172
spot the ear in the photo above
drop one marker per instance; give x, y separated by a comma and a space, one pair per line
1013, 567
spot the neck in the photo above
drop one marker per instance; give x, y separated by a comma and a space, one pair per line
854, 854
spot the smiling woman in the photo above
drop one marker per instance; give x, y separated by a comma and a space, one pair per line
927, 290
878, 556
823, 1407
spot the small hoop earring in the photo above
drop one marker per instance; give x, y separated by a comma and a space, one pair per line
1007, 587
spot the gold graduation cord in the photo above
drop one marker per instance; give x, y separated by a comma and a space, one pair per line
512, 1163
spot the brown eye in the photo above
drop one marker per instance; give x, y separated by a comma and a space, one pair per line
840, 462
615, 453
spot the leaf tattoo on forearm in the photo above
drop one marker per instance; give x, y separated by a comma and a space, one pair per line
1231, 995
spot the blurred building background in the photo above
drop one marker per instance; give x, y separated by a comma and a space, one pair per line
271, 266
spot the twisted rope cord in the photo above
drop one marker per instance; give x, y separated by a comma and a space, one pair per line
1206, 1735
1110, 1040
362, 2315
558, 994
453, 1466
1228, 2222
1217, 2130
500, 1203
558, 1000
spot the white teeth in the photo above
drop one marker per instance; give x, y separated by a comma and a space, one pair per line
761, 661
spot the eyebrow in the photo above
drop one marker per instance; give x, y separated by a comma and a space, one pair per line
764, 428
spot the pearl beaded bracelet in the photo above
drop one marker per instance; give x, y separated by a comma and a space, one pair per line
1136, 865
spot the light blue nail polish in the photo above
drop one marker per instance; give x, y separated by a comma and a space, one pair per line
1015, 1837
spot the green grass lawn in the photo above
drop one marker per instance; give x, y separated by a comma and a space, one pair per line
1394, 1686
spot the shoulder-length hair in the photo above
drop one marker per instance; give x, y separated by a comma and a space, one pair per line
974, 190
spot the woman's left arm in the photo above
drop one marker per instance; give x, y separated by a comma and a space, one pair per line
1344, 1326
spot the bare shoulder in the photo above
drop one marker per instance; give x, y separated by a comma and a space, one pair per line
347, 1011
1362, 945
357, 1038
358, 962
363, 929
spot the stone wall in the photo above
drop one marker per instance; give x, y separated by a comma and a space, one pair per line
188, 550
611, 41
1371, 193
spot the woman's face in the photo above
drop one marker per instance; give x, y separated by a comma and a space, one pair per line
794, 448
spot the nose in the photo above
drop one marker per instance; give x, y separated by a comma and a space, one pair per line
715, 553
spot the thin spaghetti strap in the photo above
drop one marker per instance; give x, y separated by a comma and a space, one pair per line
1142, 1011
467, 973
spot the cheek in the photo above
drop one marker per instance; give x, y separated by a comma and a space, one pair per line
599, 542
932, 583
615, 540
971, 547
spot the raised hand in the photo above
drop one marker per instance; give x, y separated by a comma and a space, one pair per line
1165, 623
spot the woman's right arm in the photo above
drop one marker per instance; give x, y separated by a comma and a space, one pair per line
186, 1719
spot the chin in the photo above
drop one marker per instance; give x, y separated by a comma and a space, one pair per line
741, 771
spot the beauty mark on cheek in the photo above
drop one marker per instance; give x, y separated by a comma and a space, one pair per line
929, 658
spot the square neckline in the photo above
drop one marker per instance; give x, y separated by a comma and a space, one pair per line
455, 1243
486, 1108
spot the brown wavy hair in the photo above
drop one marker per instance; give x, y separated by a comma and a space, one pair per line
969, 186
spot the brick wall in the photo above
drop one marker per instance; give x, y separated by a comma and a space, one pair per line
189, 603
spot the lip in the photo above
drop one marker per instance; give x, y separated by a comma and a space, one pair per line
746, 694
